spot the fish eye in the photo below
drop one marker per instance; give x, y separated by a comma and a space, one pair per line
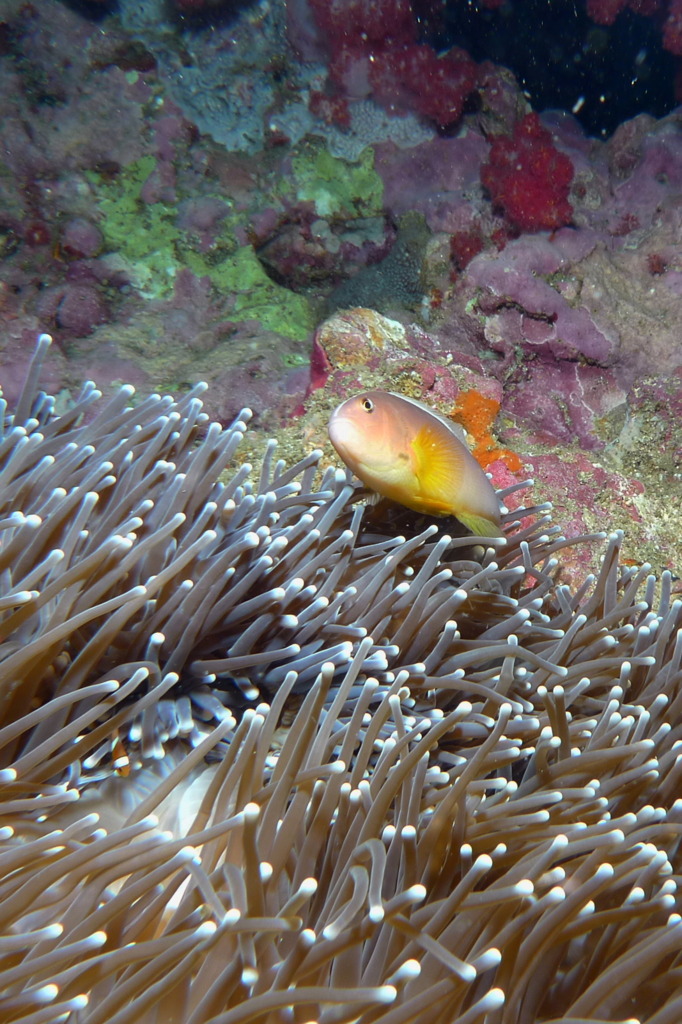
368, 405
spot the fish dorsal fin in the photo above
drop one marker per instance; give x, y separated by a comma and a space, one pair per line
438, 466
450, 425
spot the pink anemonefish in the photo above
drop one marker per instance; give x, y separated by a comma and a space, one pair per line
411, 454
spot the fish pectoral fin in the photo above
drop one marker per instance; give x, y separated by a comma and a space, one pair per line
479, 525
438, 465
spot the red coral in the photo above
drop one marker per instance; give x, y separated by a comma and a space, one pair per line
417, 78
365, 23
330, 109
656, 263
605, 12
37, 233
464, 245
672, 29
320, 367
627, 223
529, 178
373, 50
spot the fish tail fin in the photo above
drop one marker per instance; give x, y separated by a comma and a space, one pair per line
479, 525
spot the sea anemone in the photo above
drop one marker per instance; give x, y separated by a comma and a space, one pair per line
262, 760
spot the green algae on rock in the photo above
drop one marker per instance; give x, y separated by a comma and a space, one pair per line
256, 296
336, 186
147, 243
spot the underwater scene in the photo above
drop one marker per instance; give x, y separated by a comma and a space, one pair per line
340, 511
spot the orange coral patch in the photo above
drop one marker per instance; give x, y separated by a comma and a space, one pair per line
476, 413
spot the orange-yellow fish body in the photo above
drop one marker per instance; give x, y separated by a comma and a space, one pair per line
407, 452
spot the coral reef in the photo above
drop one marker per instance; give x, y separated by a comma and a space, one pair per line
260, 753
186, 198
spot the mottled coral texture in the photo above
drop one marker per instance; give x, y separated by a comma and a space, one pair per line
529, 178
373, 50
